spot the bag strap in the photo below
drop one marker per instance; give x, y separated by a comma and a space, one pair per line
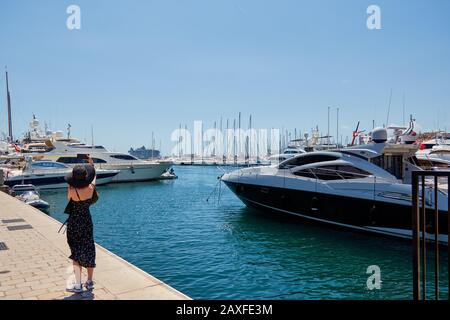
64, 224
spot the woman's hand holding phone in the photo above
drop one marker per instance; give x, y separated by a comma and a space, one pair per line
89, 159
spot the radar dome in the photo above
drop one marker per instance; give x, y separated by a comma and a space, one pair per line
379, 135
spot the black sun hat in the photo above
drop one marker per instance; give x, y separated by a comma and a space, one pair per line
81, 176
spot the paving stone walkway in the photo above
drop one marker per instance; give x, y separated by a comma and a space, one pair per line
34, 263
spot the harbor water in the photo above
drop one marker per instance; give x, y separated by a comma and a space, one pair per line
219, 249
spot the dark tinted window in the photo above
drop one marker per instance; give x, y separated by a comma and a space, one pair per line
123, 157
70, 160
73, 160
87, 147
307, 173
302, 160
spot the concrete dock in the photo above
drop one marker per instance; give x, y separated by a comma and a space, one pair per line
34, 262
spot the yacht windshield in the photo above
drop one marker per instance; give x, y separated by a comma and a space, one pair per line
306, 159
73, 160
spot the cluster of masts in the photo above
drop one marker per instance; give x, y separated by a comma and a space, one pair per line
256, 148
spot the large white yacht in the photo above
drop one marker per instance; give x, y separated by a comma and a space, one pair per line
341, 188
131, 169
53, 146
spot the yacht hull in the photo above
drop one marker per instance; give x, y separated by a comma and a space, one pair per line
366, 215
136, 173
54, 181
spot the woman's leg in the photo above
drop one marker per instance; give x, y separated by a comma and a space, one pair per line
77, 272
90, 272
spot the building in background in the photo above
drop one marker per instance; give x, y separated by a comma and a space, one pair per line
143, 153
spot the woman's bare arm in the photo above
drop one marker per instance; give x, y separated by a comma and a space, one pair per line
91, 162
69, 192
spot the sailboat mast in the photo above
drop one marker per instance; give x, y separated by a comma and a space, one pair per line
8, 99
337, 127
234, 140
328, 127
153, 144
92, 136
225, 150
239, 136
249, 150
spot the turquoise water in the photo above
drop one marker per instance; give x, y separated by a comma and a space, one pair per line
223, 250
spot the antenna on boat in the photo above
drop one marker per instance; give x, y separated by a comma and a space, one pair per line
8, 99
389, 109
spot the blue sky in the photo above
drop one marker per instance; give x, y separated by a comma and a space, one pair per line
142, 66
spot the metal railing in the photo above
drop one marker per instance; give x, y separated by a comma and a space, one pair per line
420, 211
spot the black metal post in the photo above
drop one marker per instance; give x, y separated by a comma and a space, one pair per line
436, 238
416, 241
424, 242
419, 216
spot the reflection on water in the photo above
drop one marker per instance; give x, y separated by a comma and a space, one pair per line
227, 251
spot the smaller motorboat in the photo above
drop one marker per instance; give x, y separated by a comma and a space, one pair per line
29, 194
168, 175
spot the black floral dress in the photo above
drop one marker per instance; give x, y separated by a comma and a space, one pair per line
80, 234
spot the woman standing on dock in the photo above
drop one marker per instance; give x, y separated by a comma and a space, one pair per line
80, 230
